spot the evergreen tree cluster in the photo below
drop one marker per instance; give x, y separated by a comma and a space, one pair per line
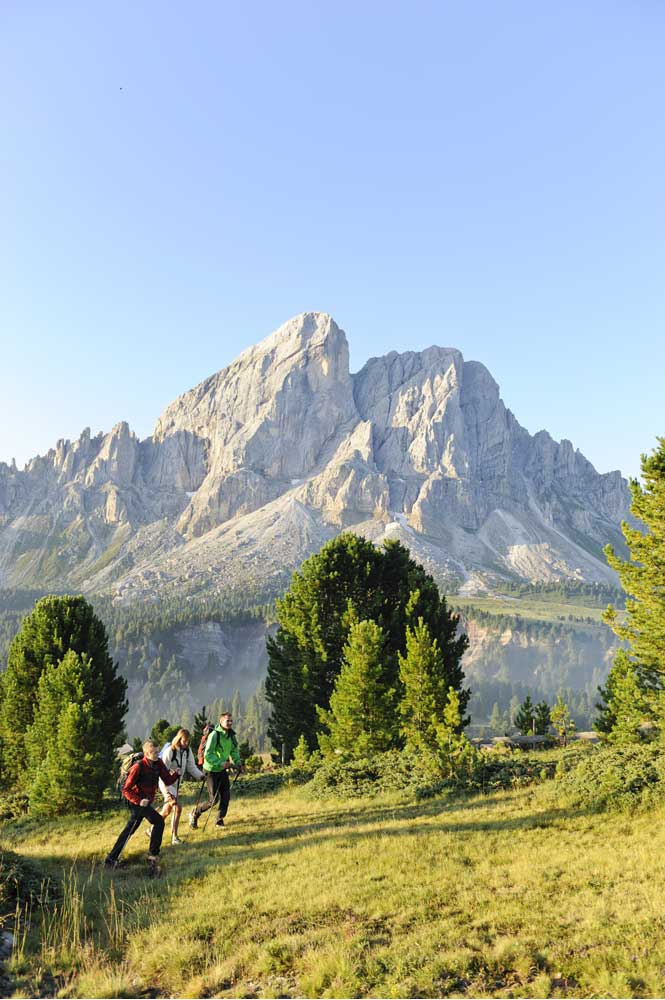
531, 718
593, 594
365, 642
494, 705
62, 704
146, 639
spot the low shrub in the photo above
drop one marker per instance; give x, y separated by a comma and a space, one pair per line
253, 764
510, 769
263, 783
394, 770
299, 774
13, 804
423, 776
613, 778
20, 882
340, 777
572, 755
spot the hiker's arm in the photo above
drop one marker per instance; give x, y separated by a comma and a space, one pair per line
168, 777
192, 769
211, 756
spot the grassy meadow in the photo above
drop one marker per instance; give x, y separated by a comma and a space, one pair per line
501, 895
533, 607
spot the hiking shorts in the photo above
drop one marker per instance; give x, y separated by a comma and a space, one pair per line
169, 791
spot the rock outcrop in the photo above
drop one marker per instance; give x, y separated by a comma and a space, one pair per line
252, 470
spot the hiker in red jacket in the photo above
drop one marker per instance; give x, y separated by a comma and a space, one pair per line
139, 791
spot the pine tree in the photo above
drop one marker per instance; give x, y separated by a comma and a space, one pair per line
347, 581
252, 725
200, 720
561, 720
361, 718
447, 728
456, 755
624, 703
524, 718
287, 684
301, 755
246, 750
423, 700
237, 710
68, 763
217, 707
162, 732
643, 579
55, 626
260, 716
186, 716
542, 714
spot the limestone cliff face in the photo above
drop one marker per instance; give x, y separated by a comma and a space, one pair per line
253, 469
264, 420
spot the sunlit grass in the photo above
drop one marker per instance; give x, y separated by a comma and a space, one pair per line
532, 607
498, 896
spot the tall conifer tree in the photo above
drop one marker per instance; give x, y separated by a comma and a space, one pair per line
625, 703
200, 719
361, 718
524, 717
68, 762
350, 580
55, 626
643, 578
542, 713
424, 697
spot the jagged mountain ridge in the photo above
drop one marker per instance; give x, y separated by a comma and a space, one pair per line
252, 470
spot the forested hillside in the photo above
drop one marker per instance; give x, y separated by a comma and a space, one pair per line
179, 654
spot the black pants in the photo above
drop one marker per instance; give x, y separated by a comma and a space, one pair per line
136, 815
219, 788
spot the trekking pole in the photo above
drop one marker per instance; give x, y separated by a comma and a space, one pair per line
137, 823
212, 806
198, 797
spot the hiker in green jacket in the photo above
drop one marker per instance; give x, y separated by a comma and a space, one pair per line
221, 754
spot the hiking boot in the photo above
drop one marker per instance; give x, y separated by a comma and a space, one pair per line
193, 820
220, 822
153, 859
110, 863
175, 839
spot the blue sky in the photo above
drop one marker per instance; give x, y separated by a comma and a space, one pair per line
178, 180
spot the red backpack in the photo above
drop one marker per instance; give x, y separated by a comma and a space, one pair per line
200, 753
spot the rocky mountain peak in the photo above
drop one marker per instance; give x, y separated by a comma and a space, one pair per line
256, 466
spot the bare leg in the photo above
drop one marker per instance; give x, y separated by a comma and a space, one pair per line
167, 807
176, 819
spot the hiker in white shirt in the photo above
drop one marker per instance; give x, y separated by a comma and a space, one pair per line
177, 754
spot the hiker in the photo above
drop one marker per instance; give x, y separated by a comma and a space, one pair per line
139, 790
177, 754
221, 754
